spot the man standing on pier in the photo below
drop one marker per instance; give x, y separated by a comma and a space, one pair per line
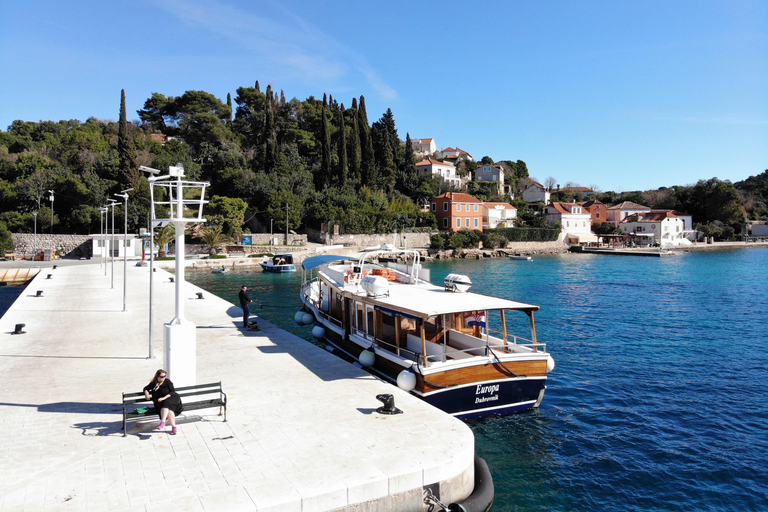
244, 301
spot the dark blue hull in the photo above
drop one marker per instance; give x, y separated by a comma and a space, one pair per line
498, 398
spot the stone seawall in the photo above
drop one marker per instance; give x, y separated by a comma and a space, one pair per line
525, 248
67, 246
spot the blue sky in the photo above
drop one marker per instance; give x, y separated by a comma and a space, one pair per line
621, 95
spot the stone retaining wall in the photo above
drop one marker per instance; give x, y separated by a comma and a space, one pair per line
67, 246
411, 240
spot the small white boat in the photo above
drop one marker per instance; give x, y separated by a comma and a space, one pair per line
279, 263
520, 257
219, 270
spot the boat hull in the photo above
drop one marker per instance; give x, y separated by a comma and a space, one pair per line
471, 392
277, 268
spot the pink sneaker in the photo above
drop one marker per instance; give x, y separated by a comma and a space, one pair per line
161, 426
173, 431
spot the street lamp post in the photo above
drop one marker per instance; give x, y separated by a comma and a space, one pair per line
50, 198
112, 204
124, 195
34, 248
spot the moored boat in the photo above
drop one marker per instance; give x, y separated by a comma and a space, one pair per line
219, 270
449, 346
279, 263
520, 257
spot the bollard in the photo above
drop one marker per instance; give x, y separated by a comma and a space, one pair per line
19, 328
39, 293
49, 276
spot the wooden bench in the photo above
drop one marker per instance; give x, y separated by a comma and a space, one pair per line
130, 400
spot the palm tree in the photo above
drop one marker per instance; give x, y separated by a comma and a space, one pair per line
163, 237
213, 237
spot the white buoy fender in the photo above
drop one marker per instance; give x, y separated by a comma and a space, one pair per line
307, 318
550, 364
406, 380
367, 358
299, 317
318, 332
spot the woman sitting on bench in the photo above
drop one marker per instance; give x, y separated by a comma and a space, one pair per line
166, 400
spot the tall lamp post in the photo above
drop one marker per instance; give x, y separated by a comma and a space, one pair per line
152, 172
112, 204
124, 195
50, 198
180, 333
34, 248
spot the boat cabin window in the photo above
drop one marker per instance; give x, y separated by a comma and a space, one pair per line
359, 318
370, 322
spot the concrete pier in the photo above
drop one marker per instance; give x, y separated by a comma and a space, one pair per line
302, 433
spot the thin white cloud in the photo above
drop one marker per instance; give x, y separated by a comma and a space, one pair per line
297, 45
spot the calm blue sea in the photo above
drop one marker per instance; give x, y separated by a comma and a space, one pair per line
658, 399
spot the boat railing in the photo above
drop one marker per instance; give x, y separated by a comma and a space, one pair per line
317, 302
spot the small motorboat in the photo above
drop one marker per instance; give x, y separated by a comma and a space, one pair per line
279, 263
219, 270
520, 257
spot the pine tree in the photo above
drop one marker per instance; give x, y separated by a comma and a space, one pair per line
342, 149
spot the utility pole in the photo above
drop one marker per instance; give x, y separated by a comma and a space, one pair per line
286, 224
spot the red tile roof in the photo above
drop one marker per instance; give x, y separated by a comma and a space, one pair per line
458, 197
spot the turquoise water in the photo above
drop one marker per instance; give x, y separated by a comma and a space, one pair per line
658, 400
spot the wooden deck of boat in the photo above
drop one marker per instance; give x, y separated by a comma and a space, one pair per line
17, 275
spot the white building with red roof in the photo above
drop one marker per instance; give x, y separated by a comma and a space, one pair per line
655, 227
455, 154
498, 215
574, 219
424, 147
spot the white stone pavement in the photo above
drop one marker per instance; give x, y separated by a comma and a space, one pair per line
302, 435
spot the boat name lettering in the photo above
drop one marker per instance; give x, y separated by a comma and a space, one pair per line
486, 399
483, 390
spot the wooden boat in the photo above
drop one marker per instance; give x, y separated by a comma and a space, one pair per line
520, 257
449, 346
279, 263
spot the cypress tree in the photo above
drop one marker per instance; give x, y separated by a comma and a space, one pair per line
407, 180
325, 140
353, 148
367, 163
270, 136
129, 172
342, 149
229, 104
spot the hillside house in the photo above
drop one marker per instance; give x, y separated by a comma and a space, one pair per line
445, 171
619, 212
491, 174
424, 147
455, 211
455, 154
535, 193
498, 215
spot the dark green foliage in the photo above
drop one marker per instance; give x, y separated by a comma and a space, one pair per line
526, 234
6, 242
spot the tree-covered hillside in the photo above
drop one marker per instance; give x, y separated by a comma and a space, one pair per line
322, 159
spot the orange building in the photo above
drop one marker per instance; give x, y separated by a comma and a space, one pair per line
455, 211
